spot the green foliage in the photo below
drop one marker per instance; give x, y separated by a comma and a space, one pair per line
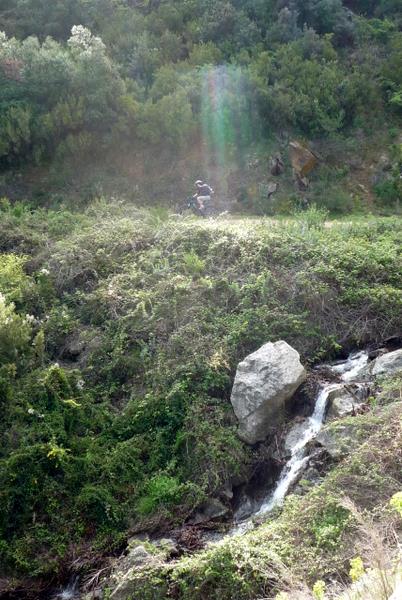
135, 75
160, 490
396, 503
319, 590
314, 217
115, 395
328, 527
15, 333
14, 283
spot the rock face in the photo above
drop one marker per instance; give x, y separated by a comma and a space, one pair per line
264, 381
302, 159
388, 364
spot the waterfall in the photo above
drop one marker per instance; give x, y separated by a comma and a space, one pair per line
301, 435
70, 592
299, 458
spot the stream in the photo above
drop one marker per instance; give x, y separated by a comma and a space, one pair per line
300, 436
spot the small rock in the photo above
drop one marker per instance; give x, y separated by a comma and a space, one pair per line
138, 557
209, 510
73, 349
346, 400
271, 189
394, 342
227, 492
123, 580
376, 353
302, 183
338, 442
167, 546
277, 166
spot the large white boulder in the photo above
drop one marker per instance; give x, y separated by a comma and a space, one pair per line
264, 381
388, 364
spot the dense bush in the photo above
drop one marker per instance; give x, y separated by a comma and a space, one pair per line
135, 80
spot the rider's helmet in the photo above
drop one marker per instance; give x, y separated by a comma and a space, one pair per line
198, 182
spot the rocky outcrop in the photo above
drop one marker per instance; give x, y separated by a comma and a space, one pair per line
264, 381
387, 363
302, 159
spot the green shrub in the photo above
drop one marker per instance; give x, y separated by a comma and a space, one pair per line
161, 490
15, 333
14, 283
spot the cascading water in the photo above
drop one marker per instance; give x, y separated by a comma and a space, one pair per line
70, 592
299, 458
301, 435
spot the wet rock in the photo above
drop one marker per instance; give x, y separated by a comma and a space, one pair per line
245, 507
209, 510
302, 159
346, 400
264, 381
294, 435
376, 353
388, 364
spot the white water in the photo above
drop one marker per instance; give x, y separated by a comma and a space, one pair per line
349, 370
70, 592
298, 460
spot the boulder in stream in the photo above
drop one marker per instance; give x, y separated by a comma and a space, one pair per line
346, 400
264, 381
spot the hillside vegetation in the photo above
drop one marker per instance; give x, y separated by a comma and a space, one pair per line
142, 96
120, 333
